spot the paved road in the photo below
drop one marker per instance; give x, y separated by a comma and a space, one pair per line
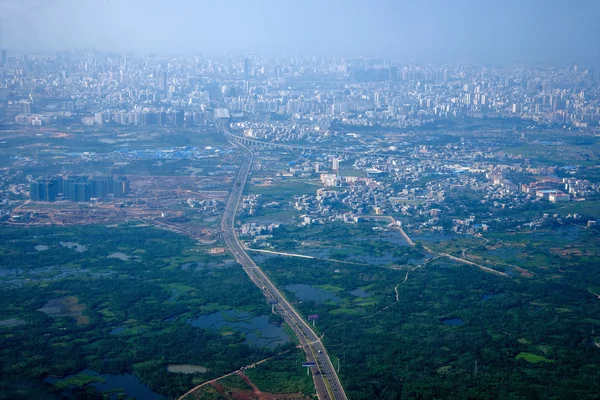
326, 381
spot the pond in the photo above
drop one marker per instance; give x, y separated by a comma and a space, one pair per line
488, 296
74, 246
200, 266
256, 330
259, 258
386, 258
434, 237
10, 272
174, 296
453, 321
125, 383
358, 292
118, 330
12, 322
309, 293
272, 218
567, 233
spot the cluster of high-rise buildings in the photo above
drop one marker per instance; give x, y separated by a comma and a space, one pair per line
78, 188
94, 89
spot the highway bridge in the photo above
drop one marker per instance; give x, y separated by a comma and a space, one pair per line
287, 146
326, 381
297, 147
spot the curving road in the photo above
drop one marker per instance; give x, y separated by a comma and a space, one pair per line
326, 381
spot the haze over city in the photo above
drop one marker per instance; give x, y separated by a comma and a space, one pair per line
299, 200
494, 31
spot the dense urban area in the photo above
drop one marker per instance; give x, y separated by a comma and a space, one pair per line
291, 227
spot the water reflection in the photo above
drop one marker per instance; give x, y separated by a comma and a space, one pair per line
117, 384
257, 330
309, 293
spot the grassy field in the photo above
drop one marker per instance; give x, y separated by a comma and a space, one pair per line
532, 358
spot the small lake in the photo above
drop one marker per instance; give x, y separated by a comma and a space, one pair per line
272, 218
256, 330
174, 296
372, 259
129, 384
309, 293
432, 237
488, 296
41, 247
74, 246
187, 369
12, 322
200, 266
118, 330
453, 321
51, 273
360, 293
567, 233
259, 258
4, 272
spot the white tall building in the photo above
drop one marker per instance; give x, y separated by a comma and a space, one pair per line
335, 164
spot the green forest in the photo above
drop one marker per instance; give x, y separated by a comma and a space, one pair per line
453, 332
65, 290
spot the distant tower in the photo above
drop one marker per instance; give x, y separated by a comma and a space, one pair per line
246, 68
162, 81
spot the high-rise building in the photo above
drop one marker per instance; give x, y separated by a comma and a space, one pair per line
37, 191
161, 118
162, 81
100, 187
120, 187
78, 188
393, 74
246, 68
45, 189
177, 118
335, 164
81, 192
24, 107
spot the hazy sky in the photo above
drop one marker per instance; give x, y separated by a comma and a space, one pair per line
437, 30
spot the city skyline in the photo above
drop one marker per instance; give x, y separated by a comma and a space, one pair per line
545, 32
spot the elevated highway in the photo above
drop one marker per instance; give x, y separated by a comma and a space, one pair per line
289, 146
326, 381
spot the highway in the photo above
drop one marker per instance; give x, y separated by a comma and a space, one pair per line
326, 381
